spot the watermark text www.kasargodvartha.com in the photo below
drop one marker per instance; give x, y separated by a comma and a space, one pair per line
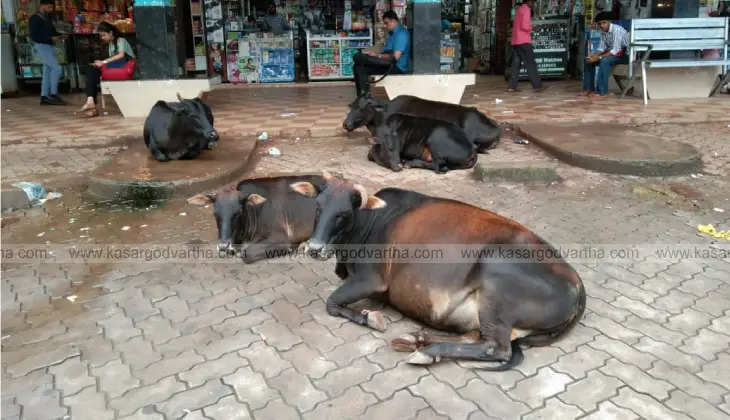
360, 253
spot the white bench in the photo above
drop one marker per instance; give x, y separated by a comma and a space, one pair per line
435, 87
136, 98
690, 34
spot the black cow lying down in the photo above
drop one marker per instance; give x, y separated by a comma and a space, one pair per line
416, 142
497, 305
263, 215
481, 130
179, 130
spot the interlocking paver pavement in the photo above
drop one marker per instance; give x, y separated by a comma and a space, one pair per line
159, 341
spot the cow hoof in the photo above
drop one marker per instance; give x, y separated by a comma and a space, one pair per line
405, 343
376, 320
421, 358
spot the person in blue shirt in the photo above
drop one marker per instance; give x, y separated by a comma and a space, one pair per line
394, 57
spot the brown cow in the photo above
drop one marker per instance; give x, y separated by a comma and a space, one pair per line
497, 305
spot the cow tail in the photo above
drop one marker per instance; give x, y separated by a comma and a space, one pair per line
543, 338
390, 69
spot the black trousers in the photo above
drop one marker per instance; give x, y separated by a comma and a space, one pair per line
366, 66
523, 54
93, 81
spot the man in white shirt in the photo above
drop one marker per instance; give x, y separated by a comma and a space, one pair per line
611, 51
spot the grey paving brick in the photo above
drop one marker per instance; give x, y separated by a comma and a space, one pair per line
287, 313
344, 355
157, 292
699, 408
700, 285
537, 358
218, 347
319, 313
10, 408
449, 372
115, 378
26, 384
384, 384
244, 304
661, 283
706, 344
669, 354
166, 367
630, 290
278, 410
386, 357
721, 325
136, 306
640, 309
714, 303
296, 294
38, 361
231, 326
498, 404
72, 376
157, 329
227, 409
34, 335
212, 369
265, 359
610, 411
579, 335
649, 267
637, 379
623, 352
146, 413
403, 405
687, 382
138, 353
430, 414
97, 351
219, 300
173, 308
590, 391
442, 398
600, 292
349, 331
555, 409
144, 396
198, 340
192, 291
674, 302
335, 382
350, 405
194, 399
645, 406
43, 403
718, 371
576, 364
653, 330
690, 321
195, 323
88, 404
119, 328
297, 390
318, 336
534, 390
308, 361
251, 387
607, 310
277, 335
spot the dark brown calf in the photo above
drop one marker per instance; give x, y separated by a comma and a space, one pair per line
497, 304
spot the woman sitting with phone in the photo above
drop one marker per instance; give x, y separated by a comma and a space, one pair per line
119, 66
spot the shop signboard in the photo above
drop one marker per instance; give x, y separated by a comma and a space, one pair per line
550, 63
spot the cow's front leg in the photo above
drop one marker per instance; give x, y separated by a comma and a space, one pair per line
261, 251
422, 164
358, 288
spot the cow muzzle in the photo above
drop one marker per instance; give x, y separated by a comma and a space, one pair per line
316, 250
212, 139
347, 127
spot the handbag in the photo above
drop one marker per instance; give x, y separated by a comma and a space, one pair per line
119, 73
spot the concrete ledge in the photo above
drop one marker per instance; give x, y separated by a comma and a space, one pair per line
136, 98
514, 172
13, 199
135, 175
614, 148
435, 87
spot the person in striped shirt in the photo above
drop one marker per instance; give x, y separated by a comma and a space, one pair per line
612, 50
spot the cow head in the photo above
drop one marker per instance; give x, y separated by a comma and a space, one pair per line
338, 203
201, 119
386, 150
362, 112
235, 213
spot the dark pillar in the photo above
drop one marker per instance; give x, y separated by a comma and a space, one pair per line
156, 43
426, 36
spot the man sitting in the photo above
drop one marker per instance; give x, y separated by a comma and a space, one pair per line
611, 51
397, 50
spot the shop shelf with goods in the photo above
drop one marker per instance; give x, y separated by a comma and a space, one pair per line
260, 57
330, 55
199, 50
550, 41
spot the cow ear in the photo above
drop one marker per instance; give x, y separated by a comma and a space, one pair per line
375, 203
255, 199
305, 188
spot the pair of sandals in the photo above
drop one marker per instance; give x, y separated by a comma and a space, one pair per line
88, 111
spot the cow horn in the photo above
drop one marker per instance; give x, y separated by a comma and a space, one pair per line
363, 195
179, 98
